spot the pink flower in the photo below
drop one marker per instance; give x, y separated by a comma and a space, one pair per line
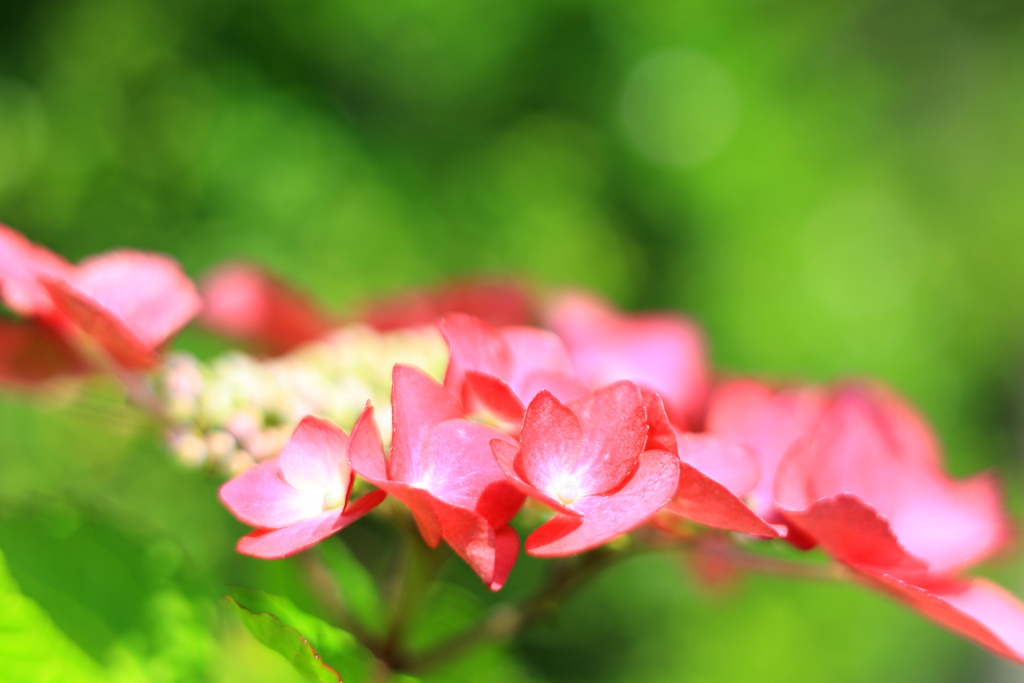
126, 302
300, 497
31, 354
244, 302
767, 423
587, 461
441, 467
497, 371
867, 485
662, 352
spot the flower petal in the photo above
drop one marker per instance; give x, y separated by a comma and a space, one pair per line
458, 468
242, 301
315, 458
976, 609
607, 516
260, 497
23, 265
474, 345
31, 354
418, 403
551, 443
614, 425
660, 351
851, 531
272, 544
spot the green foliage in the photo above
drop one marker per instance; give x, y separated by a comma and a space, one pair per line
303, 639
357, 585
32, 648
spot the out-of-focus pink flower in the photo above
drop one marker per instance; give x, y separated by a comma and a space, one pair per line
126, 302
767, 423
441, 467
867, 485
662, 352
587, 461
497, 371
244, 302
498, 303
300, 497
715, 474
31, 354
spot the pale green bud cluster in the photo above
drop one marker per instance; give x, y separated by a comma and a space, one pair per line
236, 410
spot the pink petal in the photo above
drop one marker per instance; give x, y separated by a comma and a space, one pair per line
418, 403
245, 302
148, 293
725, 461
505, 455
272, 544
975, 609
31, 354
496, 303
551, 443
614, 424
365, 448
22, 267
458, 468
540, 361
661, 352
767, 423
851, 531
474, 345
607, 516
260, 497
861, 448
315, 458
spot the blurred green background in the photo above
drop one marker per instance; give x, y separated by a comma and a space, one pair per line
830, 188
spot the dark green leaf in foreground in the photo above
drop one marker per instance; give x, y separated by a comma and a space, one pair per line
325, 649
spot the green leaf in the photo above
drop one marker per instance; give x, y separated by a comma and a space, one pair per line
358, 586
32, 648
340, 650
270, 631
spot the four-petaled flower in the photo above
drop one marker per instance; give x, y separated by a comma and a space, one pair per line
587, 461
300, 497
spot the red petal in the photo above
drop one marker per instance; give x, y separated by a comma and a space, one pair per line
707, 502
551, 443
489, 395
31, 354
661, 352
489, 552
860, 448
272, 544
260, 497
851, 531
458, 468
496, 303
23, 265
315, 458
715, 472
660, 434
540, 361
614, 425
418, 403
975, 609
245, 302
607, 516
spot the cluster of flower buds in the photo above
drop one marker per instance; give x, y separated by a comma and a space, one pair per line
607, 421
239, 409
